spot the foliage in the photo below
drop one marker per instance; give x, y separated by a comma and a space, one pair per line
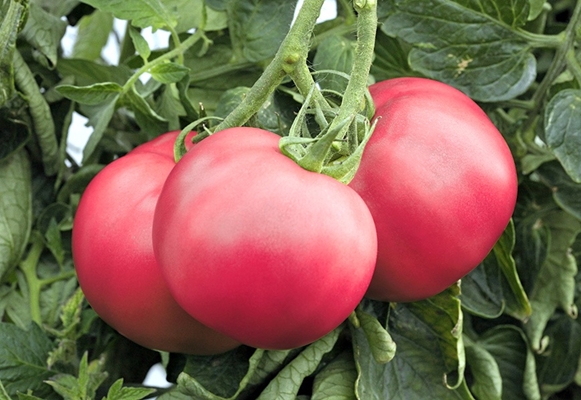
507, 330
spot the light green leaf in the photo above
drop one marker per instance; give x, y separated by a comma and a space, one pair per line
92, 35
148, 120
474, 46
142, 13
555, 285
15, 209
257, 27
140, 44
563, 130
118, 392
87, 73
337, 380
91, 95
99, 117
169, 72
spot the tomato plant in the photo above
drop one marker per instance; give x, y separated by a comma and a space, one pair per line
440, 182
113, 255
258, 248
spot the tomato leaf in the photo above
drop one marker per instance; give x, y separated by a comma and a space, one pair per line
91, 95
391, 60
11, 20
566, 193
502, 365
555, 286
286, 384
257, 27
142, 13
15, 209
337, 380
118, 392
425, 330
44, 31
92, 35
169, 72
473, 46
482, 290
334, 53
23, 357
87, 73
563, 130
558, 366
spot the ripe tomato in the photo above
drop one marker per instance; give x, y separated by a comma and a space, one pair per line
114, 260
258, 248
440, 182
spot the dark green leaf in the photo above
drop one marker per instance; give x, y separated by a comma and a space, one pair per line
334, 53
567, 194
15, 209
482, 290
99, 117
13, 136
257, 27
148, 120
502, 365
8, 33
429, 356
471, 45
555, 286
221, 376
391, 60
87, 73
23, 357
563, 130
559, 364
44, 31
286, 384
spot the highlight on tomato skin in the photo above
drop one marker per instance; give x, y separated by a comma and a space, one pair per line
258, 248
440, 182
114, 261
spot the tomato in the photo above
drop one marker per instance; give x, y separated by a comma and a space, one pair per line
258, 248
440, 182
113, 255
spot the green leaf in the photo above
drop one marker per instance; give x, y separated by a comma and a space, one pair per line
337, 380
92, 35
169, 72
286, 384
381, 344
474, 46
558, 365
15, 209
8, 33
82, 387
99, 117
502, 365
555, 285
23, 357
148, 120
118, 392
391, 60
257, 27
520, 307
142, 13
223, 376
92, 95
563, 130
334, 53
566, 193
482, 293
87, 73
426, 330
44, 31
140, 43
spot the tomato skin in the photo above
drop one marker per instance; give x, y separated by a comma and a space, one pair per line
258, 248
113, 255
440, 182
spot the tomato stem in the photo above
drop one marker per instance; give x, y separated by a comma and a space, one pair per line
28, 267
292, 54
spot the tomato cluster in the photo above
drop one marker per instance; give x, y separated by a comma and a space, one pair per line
236, 243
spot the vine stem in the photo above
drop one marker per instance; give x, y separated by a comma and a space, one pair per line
292, 53
176, 52
556, 66
28, 267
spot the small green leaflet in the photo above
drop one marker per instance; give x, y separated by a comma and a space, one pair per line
91, 95
142, 13
169, 72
